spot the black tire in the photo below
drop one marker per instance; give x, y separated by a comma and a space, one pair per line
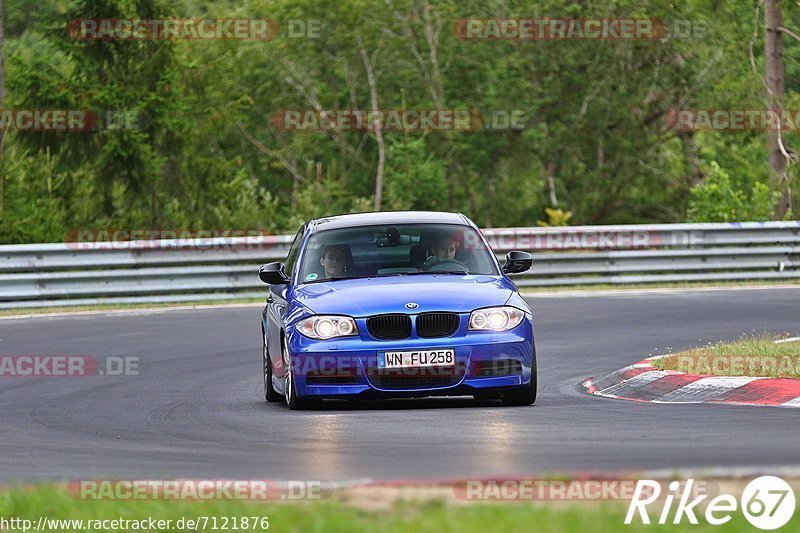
293, 401
525, 395
270, 394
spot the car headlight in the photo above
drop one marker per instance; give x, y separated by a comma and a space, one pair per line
501, 318
324, 327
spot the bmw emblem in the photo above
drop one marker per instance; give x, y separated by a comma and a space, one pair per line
412, 305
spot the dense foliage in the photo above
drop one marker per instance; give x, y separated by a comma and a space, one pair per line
206, 153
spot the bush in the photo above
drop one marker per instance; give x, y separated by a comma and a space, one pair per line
718, 199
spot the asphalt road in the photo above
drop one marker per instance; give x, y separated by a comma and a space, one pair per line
196, 409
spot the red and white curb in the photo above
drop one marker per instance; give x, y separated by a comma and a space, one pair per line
641, 382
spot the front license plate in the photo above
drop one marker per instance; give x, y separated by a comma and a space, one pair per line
417, 358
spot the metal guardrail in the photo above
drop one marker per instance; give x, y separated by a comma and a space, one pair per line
37, 275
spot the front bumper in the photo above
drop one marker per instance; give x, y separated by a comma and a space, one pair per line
347, 367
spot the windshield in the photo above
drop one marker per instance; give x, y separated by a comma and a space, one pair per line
396, 250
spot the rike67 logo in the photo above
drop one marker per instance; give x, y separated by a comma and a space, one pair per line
767, 502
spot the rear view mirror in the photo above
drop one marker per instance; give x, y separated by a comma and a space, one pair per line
385, 242
392, 238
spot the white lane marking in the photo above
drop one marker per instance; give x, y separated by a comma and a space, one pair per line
589, 293
705, 389
790, 339
133, 311
792, 403
637, 381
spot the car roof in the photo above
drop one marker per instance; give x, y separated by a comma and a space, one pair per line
377, 218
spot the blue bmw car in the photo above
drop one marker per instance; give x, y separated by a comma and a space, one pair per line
395, 304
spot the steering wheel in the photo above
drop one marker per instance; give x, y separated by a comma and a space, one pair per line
434, 264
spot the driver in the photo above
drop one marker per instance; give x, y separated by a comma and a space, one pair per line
442, 249
333, 261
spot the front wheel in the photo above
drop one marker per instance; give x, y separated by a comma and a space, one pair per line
293, 401
525, 395
270, 394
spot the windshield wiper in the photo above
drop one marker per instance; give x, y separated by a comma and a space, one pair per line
434, 272
460, 272
337, 278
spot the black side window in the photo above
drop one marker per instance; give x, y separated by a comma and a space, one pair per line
291, 257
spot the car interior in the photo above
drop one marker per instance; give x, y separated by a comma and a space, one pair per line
386, 252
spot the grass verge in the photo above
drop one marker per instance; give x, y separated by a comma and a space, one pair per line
756, 356
331, 516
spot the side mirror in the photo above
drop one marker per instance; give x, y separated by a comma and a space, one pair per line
273, 274
517, 262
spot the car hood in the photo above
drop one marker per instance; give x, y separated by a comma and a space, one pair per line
435, 292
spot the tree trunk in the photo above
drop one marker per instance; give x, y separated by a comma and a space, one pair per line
773, 48
689, 142
2, 100
550, 176
373, 93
